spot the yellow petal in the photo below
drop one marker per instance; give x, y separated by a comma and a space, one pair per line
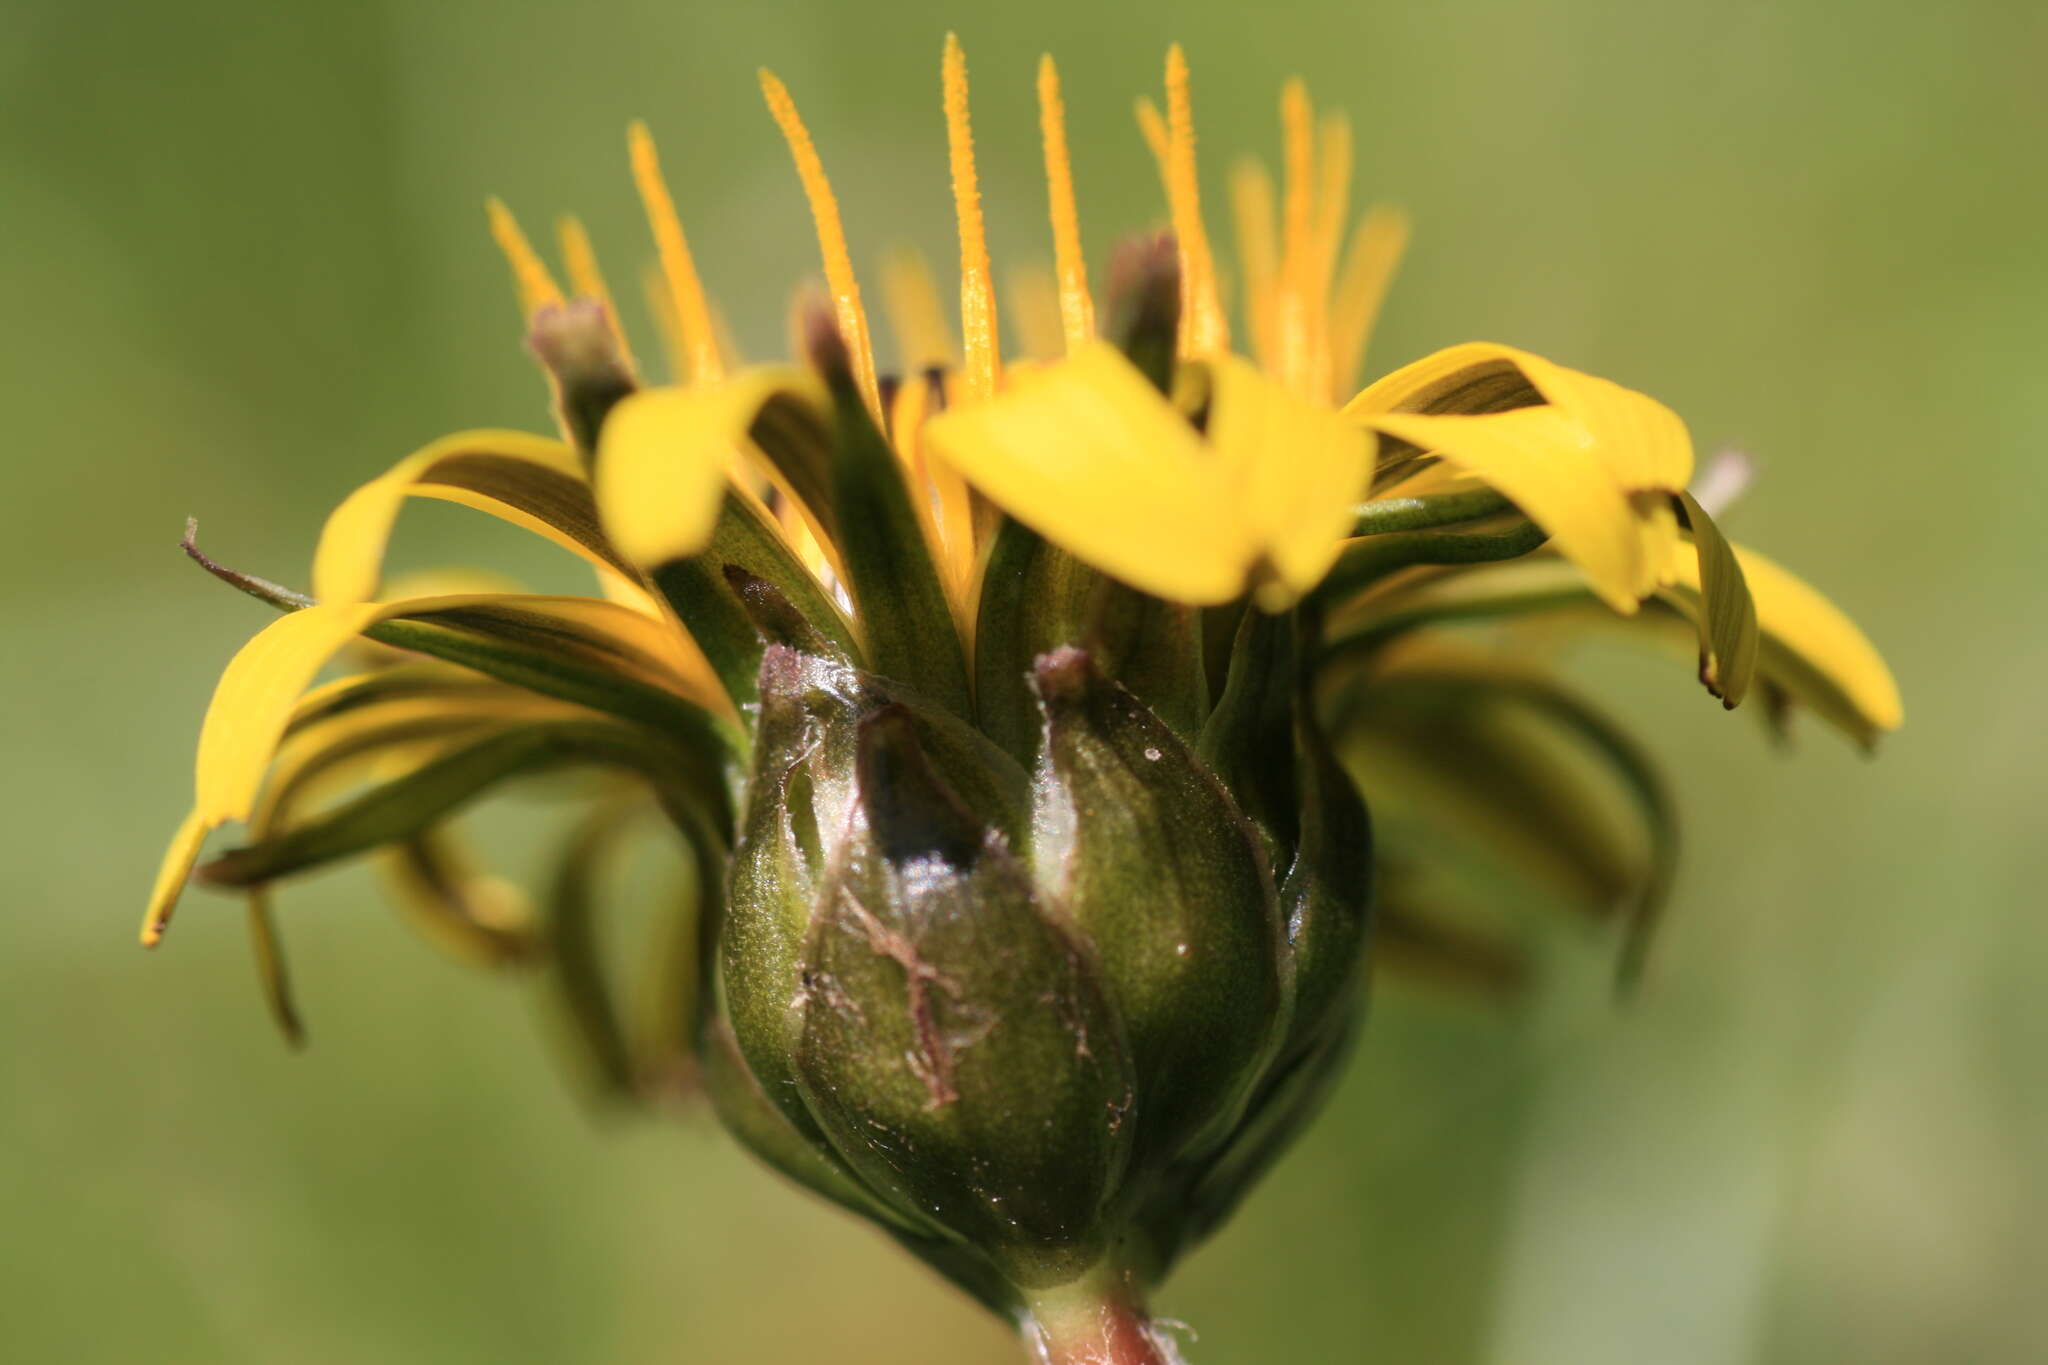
530, 481
1472, 377
1302, 470
1643, 442
1813, 649
1727, 615
666, 457
1088, 454
256, 697
172, 875
1549, 466
254, 701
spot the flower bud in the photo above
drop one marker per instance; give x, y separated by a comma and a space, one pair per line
1155, 864
955, 1045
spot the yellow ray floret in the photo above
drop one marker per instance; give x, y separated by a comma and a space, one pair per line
687, 303
1090, 455
179, 859
1077, 306
537, 288
839, 277
1301, 471
260, 689
533, 469
1576, 463
668, 458
1805, 635
983, 367
1544, 462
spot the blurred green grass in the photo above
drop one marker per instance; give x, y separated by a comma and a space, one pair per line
244, 259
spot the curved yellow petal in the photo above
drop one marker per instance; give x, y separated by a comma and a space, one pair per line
1727, 617
531, 481
1301, 468
1643, 442
665, 459
1805, 634
1549, 466
1471, 377
1088, 454
258, 694
172, 875
255, 698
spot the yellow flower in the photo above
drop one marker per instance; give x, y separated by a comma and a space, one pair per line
1263, 568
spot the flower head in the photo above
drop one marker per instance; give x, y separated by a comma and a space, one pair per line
1018, 711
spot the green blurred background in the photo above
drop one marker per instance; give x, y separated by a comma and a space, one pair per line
245, 268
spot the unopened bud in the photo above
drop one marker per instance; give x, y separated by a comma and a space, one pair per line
576, 344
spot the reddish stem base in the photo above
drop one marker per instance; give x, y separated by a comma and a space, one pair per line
1091, 1330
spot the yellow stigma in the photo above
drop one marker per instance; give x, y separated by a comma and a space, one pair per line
1258, 253
1077, 306
537, 288
1297, 246
587, 280
661, 306
924, 339
1152, 124
983, 367
1033, 298
687, 306
1203, 330
846, 304
1368, 268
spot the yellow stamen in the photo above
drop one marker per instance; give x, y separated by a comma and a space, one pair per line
1077, 307
1034, 301
1368, 269
686, 291
728, 344
1153, 125
906, 421
1297, 246
1333, 196
983, 367
661, 305
1204, 329
537, 288
1333, 202
846, 304
1258, 254
587, 280
911, 298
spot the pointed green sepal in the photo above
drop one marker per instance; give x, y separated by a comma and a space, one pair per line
905, 618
